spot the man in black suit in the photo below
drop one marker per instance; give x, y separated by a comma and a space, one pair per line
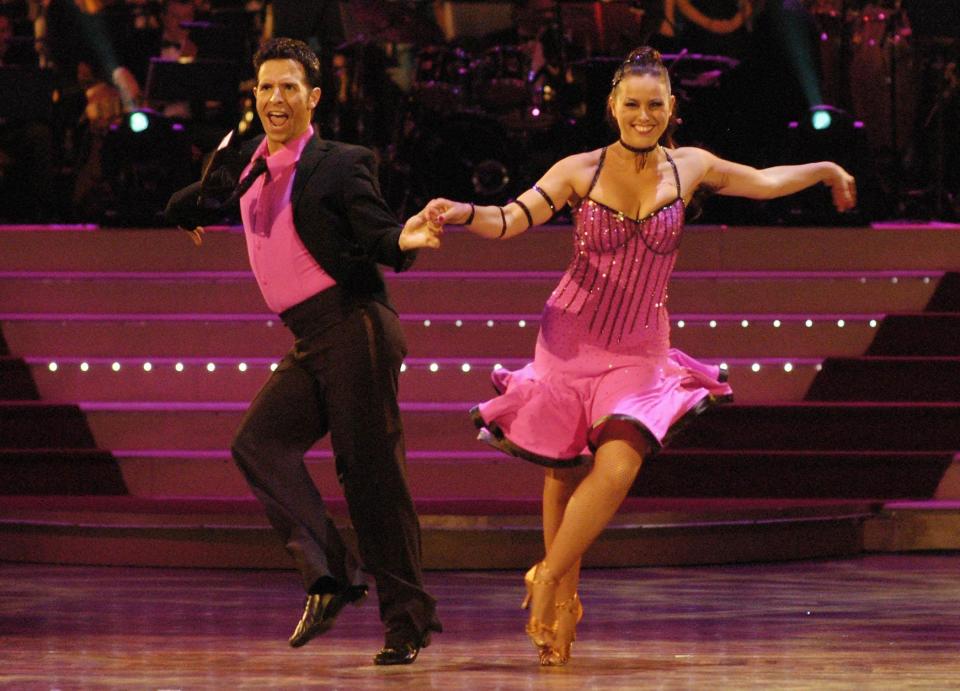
316, 227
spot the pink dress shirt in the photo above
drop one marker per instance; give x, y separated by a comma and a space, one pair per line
285, 271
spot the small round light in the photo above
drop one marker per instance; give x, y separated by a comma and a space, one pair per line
776, 323
744, 323
841, 323
522, 323
211, 367
818, 367
434, 367
497, 366
755, 367
713, 323
459, 322
873, 323
821, 120
178, 367
403, 367
808, 323
787, 367
489, 322
84, 366
426, 322
52, 367
894, 280
863, 279
465, 367
139, 122
681, 324
115, 366
242, 367
273, 367
724, 366
926, 279
147, 367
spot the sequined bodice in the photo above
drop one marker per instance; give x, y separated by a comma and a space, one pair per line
616, 283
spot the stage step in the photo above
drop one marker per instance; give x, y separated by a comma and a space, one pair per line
456, 534
867, 474
16, 380
932, 334
428, 335
42, 425
466, 378
887, 379
486, 474
933, 426
547, 248
465, 292
39, 471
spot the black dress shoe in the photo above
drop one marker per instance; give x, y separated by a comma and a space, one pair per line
320, 612
402, 654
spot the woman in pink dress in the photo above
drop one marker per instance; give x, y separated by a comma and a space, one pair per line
605, 389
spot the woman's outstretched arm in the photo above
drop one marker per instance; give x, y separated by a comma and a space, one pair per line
738, 180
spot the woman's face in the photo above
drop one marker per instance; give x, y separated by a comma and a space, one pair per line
641, 106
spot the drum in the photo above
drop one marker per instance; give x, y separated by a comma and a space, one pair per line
462, 156
501, 79
442, 79
883, 91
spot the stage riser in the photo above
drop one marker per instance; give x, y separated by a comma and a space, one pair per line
915, 335
900, 427
771, 383
16, 380
43, 426
488, 478
865, 475
882, 379
673, 474
480, 548
185, 339
60, 473
542, 249
825, 427
430, 295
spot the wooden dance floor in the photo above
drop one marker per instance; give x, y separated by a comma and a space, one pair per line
885, 622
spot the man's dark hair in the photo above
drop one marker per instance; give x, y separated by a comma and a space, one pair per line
290, 49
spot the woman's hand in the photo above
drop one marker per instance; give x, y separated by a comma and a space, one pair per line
443, 211
842, 187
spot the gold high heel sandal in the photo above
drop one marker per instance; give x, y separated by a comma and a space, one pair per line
569, 614
541, 594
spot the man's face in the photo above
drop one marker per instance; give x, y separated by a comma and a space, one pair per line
285, 101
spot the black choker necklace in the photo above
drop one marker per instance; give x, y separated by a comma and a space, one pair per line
640, 151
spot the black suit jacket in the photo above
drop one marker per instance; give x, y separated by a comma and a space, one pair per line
338, 211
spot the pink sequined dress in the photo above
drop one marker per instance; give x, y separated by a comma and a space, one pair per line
603, 352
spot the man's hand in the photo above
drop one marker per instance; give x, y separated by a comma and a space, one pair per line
419, 232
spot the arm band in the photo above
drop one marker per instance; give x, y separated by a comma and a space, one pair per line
526, 211
503, 221
473, 210
546, 197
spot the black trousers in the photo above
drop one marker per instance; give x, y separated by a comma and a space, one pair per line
341, 377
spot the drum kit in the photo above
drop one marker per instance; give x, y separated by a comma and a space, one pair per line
889, 62
483, 122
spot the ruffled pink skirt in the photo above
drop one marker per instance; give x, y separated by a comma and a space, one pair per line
553, 410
